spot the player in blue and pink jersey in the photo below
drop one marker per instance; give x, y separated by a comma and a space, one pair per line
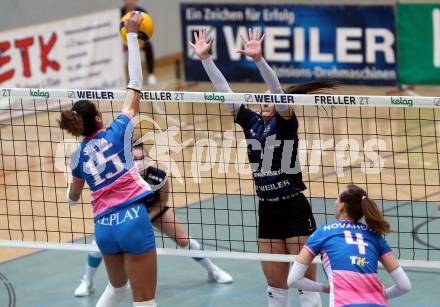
350, 253
104, 160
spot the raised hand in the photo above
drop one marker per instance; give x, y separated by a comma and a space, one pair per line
202, 44
253, 44
132, 23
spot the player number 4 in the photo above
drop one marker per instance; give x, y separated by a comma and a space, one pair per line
359, 241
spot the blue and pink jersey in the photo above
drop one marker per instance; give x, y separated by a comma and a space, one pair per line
350, 254
105, 161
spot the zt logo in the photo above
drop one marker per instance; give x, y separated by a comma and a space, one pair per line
363, 100
178, 96
6, 92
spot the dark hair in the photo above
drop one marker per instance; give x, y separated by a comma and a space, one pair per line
358, 205
312, 87
80, 119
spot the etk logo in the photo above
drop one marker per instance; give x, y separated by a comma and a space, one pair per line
359, 261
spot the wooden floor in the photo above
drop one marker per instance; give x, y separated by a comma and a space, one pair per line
206, 156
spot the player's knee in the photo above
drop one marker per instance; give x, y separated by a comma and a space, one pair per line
277, 282
97, 255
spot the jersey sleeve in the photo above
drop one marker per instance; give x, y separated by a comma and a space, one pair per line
315, 241
245, 117
385, 248
122, 125
75, 164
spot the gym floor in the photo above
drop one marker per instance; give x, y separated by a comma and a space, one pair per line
48, 278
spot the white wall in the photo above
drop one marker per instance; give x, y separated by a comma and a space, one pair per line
167, 38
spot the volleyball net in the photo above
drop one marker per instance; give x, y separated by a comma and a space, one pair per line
387, 145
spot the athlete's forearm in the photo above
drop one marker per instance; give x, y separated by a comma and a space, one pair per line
297, 280
217, 79
219, 82
132, 98
134, 62
402, 284
269, 77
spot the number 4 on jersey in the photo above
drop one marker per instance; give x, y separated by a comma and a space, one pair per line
359, 241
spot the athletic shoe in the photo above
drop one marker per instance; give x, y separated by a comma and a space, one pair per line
219, 276
151, 80
85, 288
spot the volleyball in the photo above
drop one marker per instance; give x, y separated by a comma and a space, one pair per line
146, 28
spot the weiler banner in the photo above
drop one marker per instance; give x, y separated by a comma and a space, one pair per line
418, 26
352, 44
79, 52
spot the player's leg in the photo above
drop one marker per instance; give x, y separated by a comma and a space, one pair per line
276, 273
302, 217
169, 224
164, 219
135, 237
116, 290
86, 287
142, 272
149, 57
307, 299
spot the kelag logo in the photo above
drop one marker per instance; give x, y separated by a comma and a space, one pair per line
38, 93
402, 101
214, 97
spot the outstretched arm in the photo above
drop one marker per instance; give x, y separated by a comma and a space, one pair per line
132, 98
402, 284
296, 277
74, 191
253, 49
201, 47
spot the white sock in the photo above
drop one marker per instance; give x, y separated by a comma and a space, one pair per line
277, 297
205, 262
112, 296
151, 303
309, 299
94, 259
90, 273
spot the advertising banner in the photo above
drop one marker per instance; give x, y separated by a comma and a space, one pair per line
79, 52
419, 43
352, 44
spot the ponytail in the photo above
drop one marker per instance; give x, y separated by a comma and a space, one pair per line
374, 217
312, 87
358, 205
71, 122
81, 119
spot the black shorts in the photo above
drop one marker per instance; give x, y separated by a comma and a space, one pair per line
154, 176
285, 218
